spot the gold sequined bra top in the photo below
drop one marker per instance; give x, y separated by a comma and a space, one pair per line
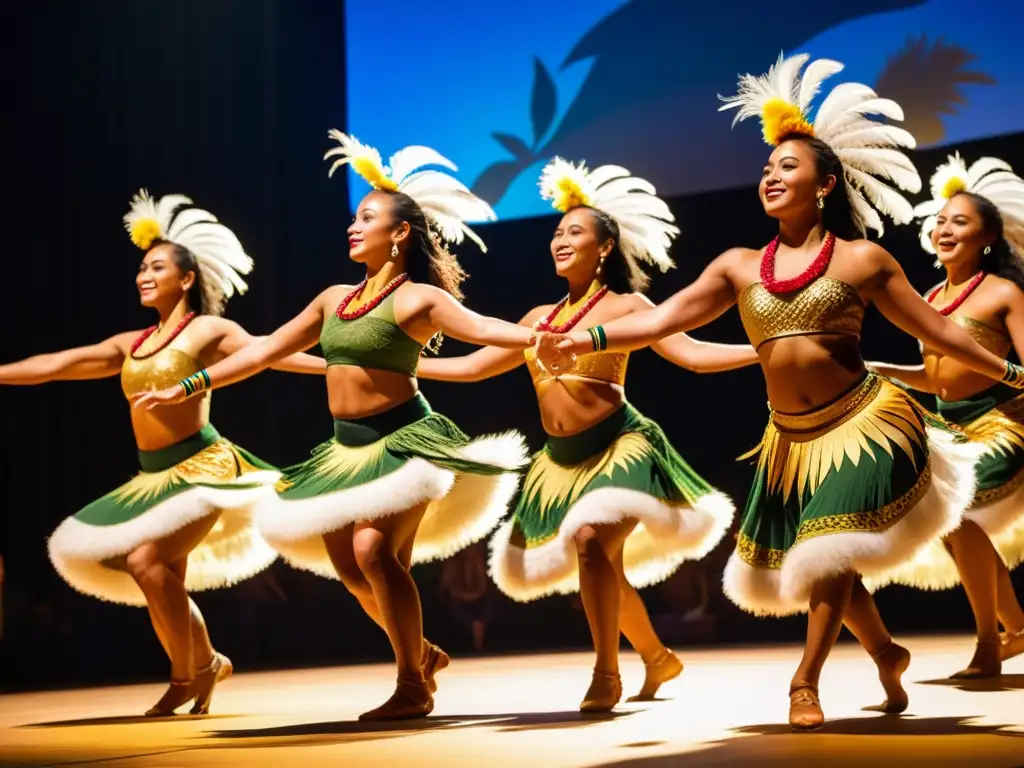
160, 370
825, 306
991, 339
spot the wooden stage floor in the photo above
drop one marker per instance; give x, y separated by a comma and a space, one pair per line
727, 709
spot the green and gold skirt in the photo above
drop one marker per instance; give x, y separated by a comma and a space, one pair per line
863, 484
202, 475
388, 463
620, 468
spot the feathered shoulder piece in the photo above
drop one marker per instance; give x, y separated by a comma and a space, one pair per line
847, 120
990, 178
221, 258
646, 225
444, 199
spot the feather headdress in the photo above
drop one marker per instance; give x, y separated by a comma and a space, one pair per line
990, 178
444, 199
871, 151
221, 258
646, 225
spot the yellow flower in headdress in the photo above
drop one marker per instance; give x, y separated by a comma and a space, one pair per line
366, 161
144, 232
566, 185
949, 178
780, 119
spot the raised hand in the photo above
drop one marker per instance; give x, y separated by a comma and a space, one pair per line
150, 400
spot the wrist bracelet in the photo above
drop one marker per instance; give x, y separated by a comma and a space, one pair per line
195, 383
1013, 375
598, 338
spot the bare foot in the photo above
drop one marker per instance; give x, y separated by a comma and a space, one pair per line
434, 660
804, 707
604, 693
178, 694
411, 699
892, 663
1013, 645
218, 670
984, 663
666, 666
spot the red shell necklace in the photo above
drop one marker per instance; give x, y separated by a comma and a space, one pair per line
809, 275
153, 329
545, 324
949, 309
388, 289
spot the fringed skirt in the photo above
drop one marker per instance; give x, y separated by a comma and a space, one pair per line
994, 421
386, 464
622, 467
201, 476
862, 484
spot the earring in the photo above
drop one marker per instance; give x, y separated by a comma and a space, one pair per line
821, 201
394, 251
600, 265
988, 250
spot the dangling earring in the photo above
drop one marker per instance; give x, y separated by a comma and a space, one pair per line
600, 265
821, 201
988, 250
394, 251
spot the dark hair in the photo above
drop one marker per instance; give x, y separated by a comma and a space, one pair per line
204, 297
427, 260
1001, 260
837, 215
621, 274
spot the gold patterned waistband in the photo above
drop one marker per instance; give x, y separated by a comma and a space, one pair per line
801, 427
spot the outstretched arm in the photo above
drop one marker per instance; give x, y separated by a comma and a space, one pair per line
904, 308
702, 301
299, 333
911, 376
236, 338
96, 361
483, 364
445, 314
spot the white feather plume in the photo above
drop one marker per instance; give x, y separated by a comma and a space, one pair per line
220, 256
446, 201
988, 177
846, 119
646, 224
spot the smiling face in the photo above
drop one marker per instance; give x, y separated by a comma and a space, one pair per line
959, 236
790, 183
160, 280
576, 246
373, 233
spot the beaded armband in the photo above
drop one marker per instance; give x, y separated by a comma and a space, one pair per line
195, 383
598, 337
1014, 375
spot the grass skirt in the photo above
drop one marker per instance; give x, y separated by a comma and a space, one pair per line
386, 464
200, 476
622, 467
862, 484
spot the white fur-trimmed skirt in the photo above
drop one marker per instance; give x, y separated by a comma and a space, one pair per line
620, 468
386, 464
863, 484
202, 476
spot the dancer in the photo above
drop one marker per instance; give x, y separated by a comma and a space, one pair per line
608, 505
184, 522
975, 225
853, 476
399, 484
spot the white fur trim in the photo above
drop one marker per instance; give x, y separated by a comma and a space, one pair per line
464, 506
231, 552
666, 536
1003, 522
899, 553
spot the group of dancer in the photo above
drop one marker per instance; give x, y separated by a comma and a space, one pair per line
856, 484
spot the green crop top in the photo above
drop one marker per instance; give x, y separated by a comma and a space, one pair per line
372, 341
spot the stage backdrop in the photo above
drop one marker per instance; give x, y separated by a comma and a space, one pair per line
500, 89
